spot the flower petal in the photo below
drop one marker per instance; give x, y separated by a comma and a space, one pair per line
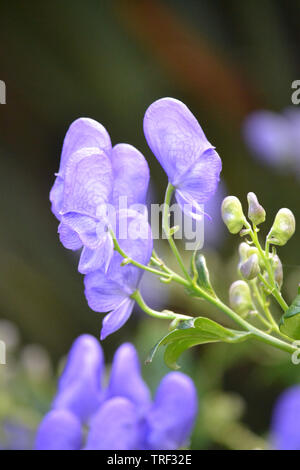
59, 430
88, 181
199, 184
286, 420
115, 427
57, 196
79, 388
83, 225
82, 133
131, 175
103, 294
125, 377
68, 237
117, 318
135, 239
171, 419
174, 136
99, 258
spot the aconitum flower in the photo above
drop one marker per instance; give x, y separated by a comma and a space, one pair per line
111, 291
94, 179
120, 416
285, 428
192, 165
274, 138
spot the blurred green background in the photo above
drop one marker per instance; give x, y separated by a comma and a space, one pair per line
109, 60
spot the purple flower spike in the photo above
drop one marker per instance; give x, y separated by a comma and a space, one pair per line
125, 417
172, 416
111, 291
59, 430
126, 379
79, 388
192, 165
115, 427
286, 420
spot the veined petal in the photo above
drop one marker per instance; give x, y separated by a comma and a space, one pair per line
126, 379
68, 237
79, 388
59, 430
199, 184
171, 418
131, 175
174, 136
82, 133
83, 225
88, 181
99, 258
102, 293
117, 318
115, 427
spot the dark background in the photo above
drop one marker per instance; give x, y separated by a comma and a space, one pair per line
109, 60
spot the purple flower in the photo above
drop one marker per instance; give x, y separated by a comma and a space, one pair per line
111, 291
286, 420
274, 138
92, 180
123, 416
192, 165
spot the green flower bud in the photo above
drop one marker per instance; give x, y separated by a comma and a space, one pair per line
283, 228
232, 214
278, 271
243, 251
256, 212
240, 298
250, 268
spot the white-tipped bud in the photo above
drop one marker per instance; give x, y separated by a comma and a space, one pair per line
283, 228
256, 212
232, 214
240, 298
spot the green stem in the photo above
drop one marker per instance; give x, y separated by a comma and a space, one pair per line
265, 257
270, 320
167, 230
136, 263
188, 283
165, 315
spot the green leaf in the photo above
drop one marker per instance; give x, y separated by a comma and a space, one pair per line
290, 321
192, 333
201, 274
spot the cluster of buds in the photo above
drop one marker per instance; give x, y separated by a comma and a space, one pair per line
252, 262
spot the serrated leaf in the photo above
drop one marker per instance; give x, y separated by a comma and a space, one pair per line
200, 273
198, 331
290, 321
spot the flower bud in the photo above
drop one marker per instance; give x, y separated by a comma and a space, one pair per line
240, 298
256, 212
250, 268
283, 228
278, 271
232, 214
243, 251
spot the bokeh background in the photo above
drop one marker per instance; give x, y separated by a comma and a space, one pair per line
109, 60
